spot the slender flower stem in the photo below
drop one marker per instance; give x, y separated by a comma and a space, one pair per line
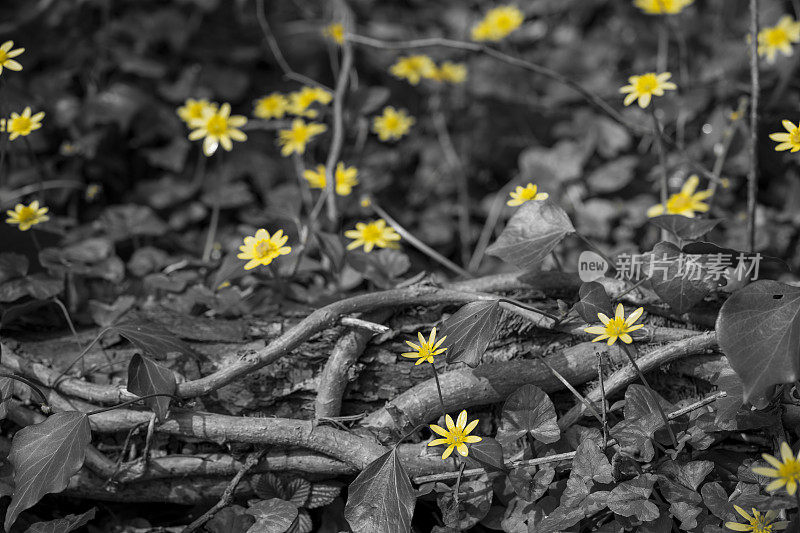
727, 138
418, 244
572, 389
486, 232
752, 175
662, 163
439, 389
602, 397
212, 226
629, 351
456, 490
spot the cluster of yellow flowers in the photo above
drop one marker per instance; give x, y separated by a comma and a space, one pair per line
345, 178
662, 7
298, 103
498, 24
212, 123
778, 38
415, 68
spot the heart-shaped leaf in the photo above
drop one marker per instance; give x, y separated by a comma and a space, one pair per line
146, 377
758, 329
272, 516
470, 330
69, 523
152, 339
631, 498
594, 299
44, 457
532, 233
529, 486
680, 280
684, 227
529, 410
381, 499
487, 453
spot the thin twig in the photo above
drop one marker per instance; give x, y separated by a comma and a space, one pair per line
29, 383
752, 174
129, 402
489, 224
604, 412
572, 389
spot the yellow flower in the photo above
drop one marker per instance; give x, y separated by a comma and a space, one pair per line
296, 139
23, 124
450, 72
524, 194
373, 234
273, 105
6, 53
788, 141
758, 523
786, 472
196, 109
617, 327
456, 436
92, 190
263, 249
778, 38
27, 215
498, 24
414, 68
335, 32
662, 7
685, 202
392, 124
646, 86
345, 178
300, 101
218, 128
426, 349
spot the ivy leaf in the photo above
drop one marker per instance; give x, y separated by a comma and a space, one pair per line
381, 499
759, 331
593, 300
272, 516
529, 410
69, 523
470, 330
680, 280
532, 233
631, 498
487, 453
44, 457
683, 227
151, 338
146, 377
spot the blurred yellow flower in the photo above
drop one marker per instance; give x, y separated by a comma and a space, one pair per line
786, 472
295, 140
372, 234
758, 523
427, 349
27, 215
646, 86
451, 72
616, 328
218, 128
345, 178
263, 249
6, 55
778, 38
789, 140
300, 101
456, 436
524, 194
392, 124
92, 190
273, 105
498, 24
196, 109
22, 125
662, 7
684, 203
335, 32
414, 68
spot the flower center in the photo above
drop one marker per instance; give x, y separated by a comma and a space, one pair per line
776, 37
195, 111
373, 234
26, 214
457, 436
646, 84
679, 203
616, 327
3, 56
528, 194
217, 125
264, 248
299, 135
392, 123
21, 125
504, 22
794, 136
790, 470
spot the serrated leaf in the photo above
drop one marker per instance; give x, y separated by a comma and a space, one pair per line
759, 331
272, 516
684, 227
6, 391
44, 457
532, 233
152, 339
322, 494
297, 491
381, 499
231, 519
529, 410
63, 525
301, 524
268, 486
631, 498
487, 453
594, 299
681, 280
470, 330
146, 377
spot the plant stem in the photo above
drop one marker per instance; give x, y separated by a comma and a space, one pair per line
30, 384
129, 402
456, 489
212, 226
662, 163
486, 232
602, 397
439, 389
528, 308
572, 389
752, 175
